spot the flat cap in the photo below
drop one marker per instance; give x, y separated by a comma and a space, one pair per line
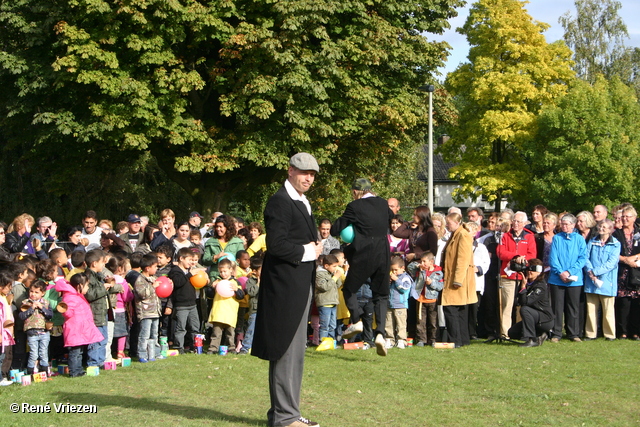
361, 184
304, 162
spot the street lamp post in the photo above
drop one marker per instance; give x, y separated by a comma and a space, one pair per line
430, 89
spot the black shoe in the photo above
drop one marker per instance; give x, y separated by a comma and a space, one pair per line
82, 374
530, 343
181, 351
542, 338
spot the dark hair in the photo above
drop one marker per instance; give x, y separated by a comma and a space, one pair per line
166, 250
228, 224
135, 259
78, 280
195, 232
398, 218
240, 253
542, 209
39, 284
5, 279
147, 235
475, 209
148, 260
90, 214
329, 259
427, 255
93, 256
324, 221
336, 251
47, 269
183, 223
184, 253
73, 230
255, 262
16, 269
244, 232
77, 258
424, 218
115, 262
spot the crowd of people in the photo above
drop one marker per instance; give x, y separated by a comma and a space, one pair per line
88, 296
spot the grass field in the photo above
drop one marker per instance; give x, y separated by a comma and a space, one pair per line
594, 383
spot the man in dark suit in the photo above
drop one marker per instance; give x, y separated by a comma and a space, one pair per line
368, 257
286, 283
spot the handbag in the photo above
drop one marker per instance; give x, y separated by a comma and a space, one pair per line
633, 281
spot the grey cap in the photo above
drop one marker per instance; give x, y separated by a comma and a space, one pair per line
304, 162
361, 184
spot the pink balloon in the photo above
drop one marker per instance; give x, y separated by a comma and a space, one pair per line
243, 282
224, 289
165, 288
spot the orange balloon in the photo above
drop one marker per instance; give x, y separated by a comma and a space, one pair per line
199, 280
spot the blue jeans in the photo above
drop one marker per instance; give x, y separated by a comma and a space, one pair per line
248, 336
38, 349
96, 352
148, 338
327, 321
75, 361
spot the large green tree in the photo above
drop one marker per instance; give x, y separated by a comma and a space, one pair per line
221, 92
511, 73
587, 148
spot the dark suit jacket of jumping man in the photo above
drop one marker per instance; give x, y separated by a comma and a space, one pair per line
285, 282
368, 254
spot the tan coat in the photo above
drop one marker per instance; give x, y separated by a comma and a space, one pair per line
459, 268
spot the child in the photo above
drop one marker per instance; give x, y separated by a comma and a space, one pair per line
328, 280
243, 268
224, 313
165, 255
184, 298
97, 295
428, 285
59, 256
196, 239
77, 261
47, 270
35, 313
253, 286
131, 277
399, 290
23, 278
342, 314
6, 327
79, 329
147, 308
118, 266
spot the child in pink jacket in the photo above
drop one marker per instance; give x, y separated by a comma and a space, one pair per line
79, 329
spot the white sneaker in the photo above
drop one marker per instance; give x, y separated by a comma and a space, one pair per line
402, 344
381, 347
352, 330
388, 343
5, 382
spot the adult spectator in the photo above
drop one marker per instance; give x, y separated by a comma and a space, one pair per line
74, 241
518, 245
601, 281
586, 225
47, 233
286, 288
91, 231
544, 239
459, 280
258, 243
567, 259
18, 237
239, 223
147, 237
167, 230
5, 255
537, 216
600, 213
394, 205
628, 299
368, 257
133, 237
482, 262
491, 221
327, 241
477, 215
223, 243
144, 220
535, 308
195, 219
110, 242
420, 233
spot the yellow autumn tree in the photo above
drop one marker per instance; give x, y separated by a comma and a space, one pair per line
511, 73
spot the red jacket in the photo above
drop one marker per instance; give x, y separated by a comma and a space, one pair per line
508, 249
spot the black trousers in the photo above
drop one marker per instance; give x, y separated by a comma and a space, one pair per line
627, 316
566, 303
530, 327
380, 304
456, 318
367, 321
490, 308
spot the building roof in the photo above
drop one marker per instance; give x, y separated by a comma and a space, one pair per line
440, 169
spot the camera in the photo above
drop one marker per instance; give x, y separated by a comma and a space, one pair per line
517, 266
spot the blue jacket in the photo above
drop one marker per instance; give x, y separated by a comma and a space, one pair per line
568, 253
603, 261
431, 291
399, 291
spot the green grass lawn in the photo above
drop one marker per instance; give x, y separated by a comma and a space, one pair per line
593, 383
